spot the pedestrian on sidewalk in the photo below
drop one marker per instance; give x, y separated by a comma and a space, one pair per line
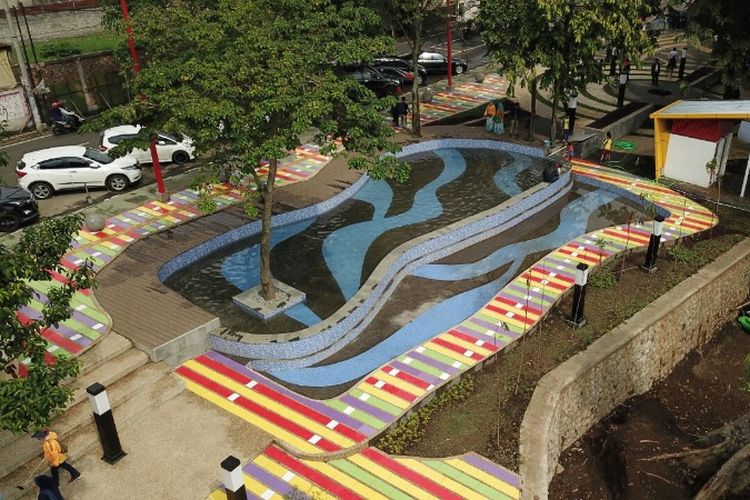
565, 127
626, 67
498, 123
54, 453
672, 62
683, 61
48, 490
403, 111
489, 115
572, 110
394, 115
513, 112
655, 70
613, 62
569, 152
607, 148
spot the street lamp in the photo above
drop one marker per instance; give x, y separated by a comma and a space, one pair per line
450, 42
136, 69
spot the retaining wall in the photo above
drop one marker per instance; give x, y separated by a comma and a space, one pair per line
626, 362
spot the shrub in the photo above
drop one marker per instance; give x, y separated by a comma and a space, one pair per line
62, 49
412, 429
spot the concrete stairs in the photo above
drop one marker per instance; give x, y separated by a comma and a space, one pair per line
133, 384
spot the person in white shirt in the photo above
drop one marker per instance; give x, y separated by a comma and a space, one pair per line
683, 60
672, 62
572, 108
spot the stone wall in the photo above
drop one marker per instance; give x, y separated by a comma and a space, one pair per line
57, 20
626, 362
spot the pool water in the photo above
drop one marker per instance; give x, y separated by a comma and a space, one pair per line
331, 256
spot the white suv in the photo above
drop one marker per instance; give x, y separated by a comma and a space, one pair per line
70, 167
175, 148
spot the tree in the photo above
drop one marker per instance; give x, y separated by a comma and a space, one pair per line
724, 23
562, 38
31, 401
410, 17
247, 79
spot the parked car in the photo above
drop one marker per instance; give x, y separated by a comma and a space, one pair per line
377, 82
402, 64
405, 78
175, 148
434, 62
17, 207
70, 167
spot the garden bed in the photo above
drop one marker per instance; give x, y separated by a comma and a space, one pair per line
488, 422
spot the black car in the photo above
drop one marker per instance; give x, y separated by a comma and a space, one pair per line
401, 64
406, 78
17, 207
380, 84
434, 62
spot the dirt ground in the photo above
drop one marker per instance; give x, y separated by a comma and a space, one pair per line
702, 393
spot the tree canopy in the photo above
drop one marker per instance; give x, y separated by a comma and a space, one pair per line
29, 402
246, 80
724, 22
557, 43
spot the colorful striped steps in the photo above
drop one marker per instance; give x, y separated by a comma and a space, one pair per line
373, 475
465, 96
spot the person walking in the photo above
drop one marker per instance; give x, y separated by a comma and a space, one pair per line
672, 62
513, 112
683, 61
54, 453
394, 115
498, 123
607, 148
489, 114
403, 111
572, 110
655, 70
48, 490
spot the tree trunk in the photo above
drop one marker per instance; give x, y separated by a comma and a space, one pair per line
732, 479
553, 125
268, 291
716, 447
416, 113
532, 111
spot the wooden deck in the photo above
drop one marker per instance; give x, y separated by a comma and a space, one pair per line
149, 313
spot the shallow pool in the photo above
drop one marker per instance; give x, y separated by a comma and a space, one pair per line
329, 257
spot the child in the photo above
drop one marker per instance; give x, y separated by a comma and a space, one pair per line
607, 149
489, 114
570, 151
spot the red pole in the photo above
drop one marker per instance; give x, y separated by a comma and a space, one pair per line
450, 43
136, 69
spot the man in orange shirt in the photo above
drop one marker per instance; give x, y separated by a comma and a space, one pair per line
55, 456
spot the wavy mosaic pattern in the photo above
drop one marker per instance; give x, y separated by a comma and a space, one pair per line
90, 321
306, 427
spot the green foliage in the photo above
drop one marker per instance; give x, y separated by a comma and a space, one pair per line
58, 50
723, 24
246, 80
30, 402
603, 278
556, 43
412, 429
683, 254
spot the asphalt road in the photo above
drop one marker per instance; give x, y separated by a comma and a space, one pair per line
68, 200
472, 51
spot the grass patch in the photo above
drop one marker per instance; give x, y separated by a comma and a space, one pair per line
66, 47
489, 421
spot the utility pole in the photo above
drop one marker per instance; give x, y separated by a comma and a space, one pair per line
136, 69
21, 57
449, 35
